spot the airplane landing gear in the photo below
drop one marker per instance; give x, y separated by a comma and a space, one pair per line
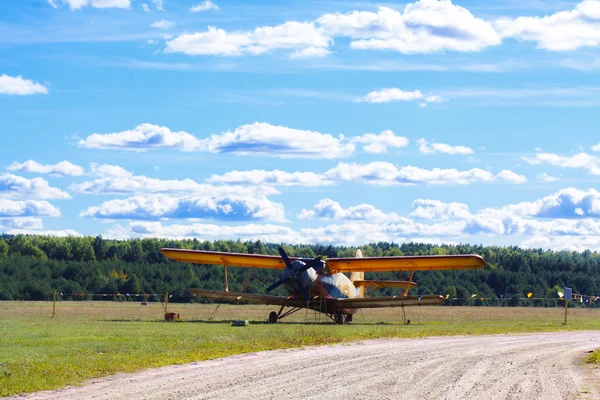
272, 317
338, 318
348, 319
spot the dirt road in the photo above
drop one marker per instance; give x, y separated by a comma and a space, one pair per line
529, 366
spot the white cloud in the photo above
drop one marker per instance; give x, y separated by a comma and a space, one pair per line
310, 52
116, 180
27, 208
330, 209
43, 232
271, 178
163, 24
544, 177
158, 4
264, 232
141, 138
562, 31
426, 26
582, 160
511, 177
17, 187
596, 147
566, 203
435, 209
63, 168
384, 173
145, 7
19, 86
570, 243
289, 36
9, 224
378, 144
388, 95
433, 148
231, 207
204, 6
77, 4
263, 139
52, 3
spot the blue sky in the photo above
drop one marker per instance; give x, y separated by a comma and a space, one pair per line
335, 122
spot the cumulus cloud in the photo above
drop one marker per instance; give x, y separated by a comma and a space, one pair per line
380, 143
271, 178
376, 173
263, 139
426, 26
297, 36
264, 232
310, 52
17, 187
233, 207
112, 179
10, 224
426, 147
204, 6
63, 168
141, 138
388, 95
544, 177
16, 85
561, 31
582, 160
43, 232
163, 24
27, 208
384, 173
330, 209
566, 203
435, 209
77, 4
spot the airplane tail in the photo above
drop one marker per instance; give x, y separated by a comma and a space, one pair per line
358, 276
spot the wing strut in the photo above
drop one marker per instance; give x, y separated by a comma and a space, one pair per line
409, 282
225, 272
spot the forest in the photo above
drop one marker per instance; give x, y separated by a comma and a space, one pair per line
93, 268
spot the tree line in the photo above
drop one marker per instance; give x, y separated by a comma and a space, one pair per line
34, 267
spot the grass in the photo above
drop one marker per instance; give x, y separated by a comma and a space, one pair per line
93, 339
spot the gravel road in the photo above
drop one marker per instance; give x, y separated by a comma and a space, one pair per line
526, 366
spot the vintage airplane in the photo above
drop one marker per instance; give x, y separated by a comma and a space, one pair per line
322, 285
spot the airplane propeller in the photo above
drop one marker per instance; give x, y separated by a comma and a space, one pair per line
294, 273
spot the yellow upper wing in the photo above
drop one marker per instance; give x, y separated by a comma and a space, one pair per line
217, 257
405, 263
364, 264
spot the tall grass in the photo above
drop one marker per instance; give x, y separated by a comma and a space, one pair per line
92, 339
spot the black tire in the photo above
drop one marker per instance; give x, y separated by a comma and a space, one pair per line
272, 317
339, 318
349, 319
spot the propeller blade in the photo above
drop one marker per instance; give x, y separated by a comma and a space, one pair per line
301, 288
286, 259
278, 283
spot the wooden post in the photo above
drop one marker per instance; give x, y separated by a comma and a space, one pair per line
166, 301
54, 305
566, 307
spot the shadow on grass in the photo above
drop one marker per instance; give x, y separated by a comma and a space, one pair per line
258, 322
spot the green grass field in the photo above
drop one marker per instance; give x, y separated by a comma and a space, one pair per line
93, 339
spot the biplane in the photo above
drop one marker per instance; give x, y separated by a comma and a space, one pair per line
322, 285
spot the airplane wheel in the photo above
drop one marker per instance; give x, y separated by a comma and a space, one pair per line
272, 317
339, 318
348, 319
